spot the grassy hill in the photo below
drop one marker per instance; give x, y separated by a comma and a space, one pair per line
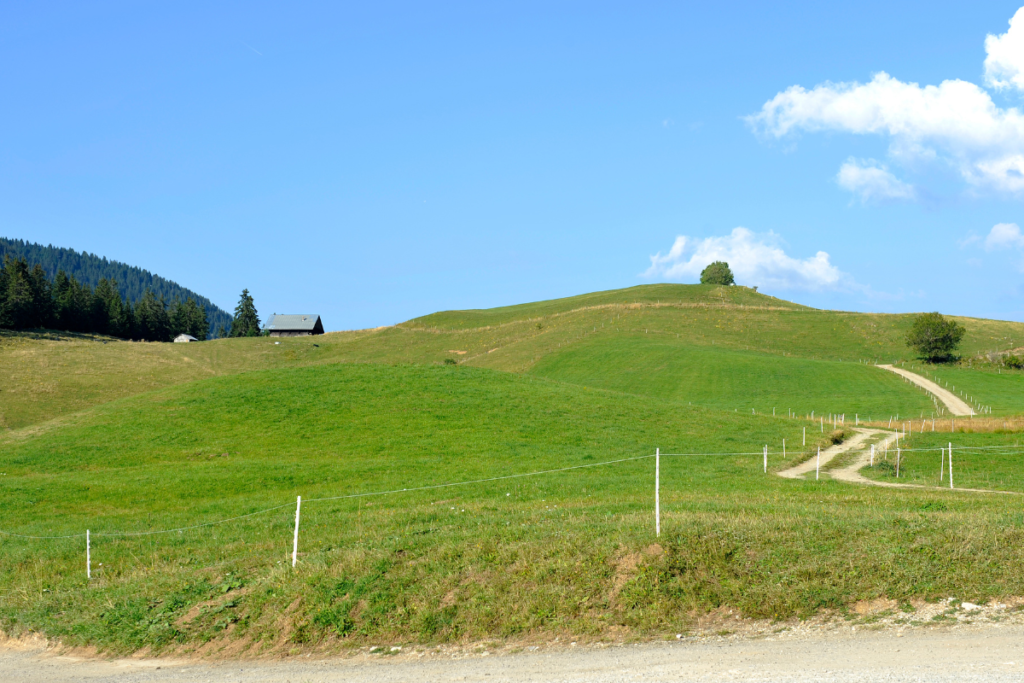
667, 341
570, 553
128, 438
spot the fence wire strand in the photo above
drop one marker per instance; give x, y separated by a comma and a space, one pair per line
368, 494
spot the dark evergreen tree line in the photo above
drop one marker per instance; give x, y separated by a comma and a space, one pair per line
89, 270
29, 299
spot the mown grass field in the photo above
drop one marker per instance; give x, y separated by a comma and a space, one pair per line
734, 380
130, 438
563, 553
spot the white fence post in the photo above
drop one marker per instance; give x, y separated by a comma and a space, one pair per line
942, 466
657, 492
872, 455
817, 467
783, 449
949, 450
766, 459
88, 556
295, 541
805, 436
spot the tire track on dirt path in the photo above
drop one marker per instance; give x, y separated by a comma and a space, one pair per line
798, 471
952, 401
851, 473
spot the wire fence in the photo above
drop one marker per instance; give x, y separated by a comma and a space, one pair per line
88, 534
369, 494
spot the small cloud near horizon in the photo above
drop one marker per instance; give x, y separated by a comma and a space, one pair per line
755, 259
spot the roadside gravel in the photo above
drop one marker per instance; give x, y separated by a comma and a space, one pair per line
989, 652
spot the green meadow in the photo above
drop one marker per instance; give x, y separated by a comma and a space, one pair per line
544, 417
570, 552
996, 388
980, 461
734, 380
53, 374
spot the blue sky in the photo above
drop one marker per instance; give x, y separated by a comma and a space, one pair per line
372, 162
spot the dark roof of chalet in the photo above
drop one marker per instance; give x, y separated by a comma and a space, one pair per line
288, 323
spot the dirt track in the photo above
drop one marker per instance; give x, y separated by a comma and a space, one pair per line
851, 472
953, 402
827, 455
971, 653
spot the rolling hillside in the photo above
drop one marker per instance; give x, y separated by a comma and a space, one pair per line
567, 553
729, 348
125, 438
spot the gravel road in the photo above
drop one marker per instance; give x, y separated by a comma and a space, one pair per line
977, 653
953, 402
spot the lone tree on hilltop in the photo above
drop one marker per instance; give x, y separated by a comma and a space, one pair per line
246, 322
717, 273
934, 337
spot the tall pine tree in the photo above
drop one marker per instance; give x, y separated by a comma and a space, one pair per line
198, 325
189, 318
152, 322
42, 299
71, 303
246, 322
110, 314
17, 305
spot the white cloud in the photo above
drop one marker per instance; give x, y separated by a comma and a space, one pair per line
955, 121
872, 181
1004, 65
754, 259
1004, 236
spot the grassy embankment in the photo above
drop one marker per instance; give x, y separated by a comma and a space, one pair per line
568, 553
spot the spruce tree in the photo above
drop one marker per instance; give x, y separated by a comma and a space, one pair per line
4, 270
17, 312
152, 322
246, 322
105, 311
198, 326
81, 296
42, 299
179, 319
71, 303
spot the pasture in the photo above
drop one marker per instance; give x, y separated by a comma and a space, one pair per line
551, 411
570, 552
